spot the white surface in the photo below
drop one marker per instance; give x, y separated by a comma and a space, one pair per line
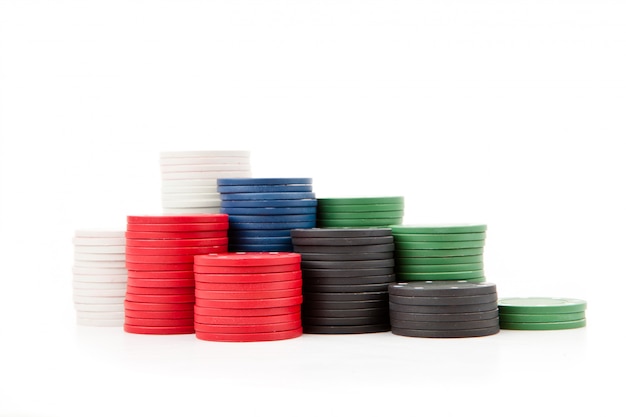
505, 112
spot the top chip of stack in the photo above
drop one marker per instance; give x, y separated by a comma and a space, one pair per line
189, 178
262, 211
360, 211
441, 252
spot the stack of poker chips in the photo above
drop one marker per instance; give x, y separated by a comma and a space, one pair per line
160, 253
188, 179
99, 281
441, 309
262, 211
346, 273
360, 211
248, 297
542, 313
439, 253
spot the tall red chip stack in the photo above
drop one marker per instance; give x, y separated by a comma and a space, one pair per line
248, 297
160, 253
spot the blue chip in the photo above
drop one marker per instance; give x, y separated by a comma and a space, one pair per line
234, 234
269, 203
226, 189
267, 211
271, 226
283, 218
237, 240
260, 248
266, 196
264, 181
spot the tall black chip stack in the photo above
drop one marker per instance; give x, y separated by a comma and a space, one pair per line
345, 275
262, 211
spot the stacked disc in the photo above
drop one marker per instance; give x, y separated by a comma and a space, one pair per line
248, 297
160, 253
262, 211
345, 275
443, 309
189, 178
360, 211
439, 253
542, 313
99, 281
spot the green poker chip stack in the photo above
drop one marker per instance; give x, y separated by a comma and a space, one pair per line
541, 313
359, 212
439, 252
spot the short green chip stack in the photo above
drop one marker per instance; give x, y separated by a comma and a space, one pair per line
439, 252
359, 211
542, 313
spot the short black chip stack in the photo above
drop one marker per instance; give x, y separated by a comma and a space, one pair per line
439, 309
345, 273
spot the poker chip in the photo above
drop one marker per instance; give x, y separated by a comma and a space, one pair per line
268, 211
348, 249
266, 188
349, 313
439, 252
368, 279
317, 288
359, 212
158, 322
364, 264
140, 290
542, 313
244, 182
346, 272
479, 332
382, 319
189, 179
244, 294
160, 314
158, 330
348, 329
99, 277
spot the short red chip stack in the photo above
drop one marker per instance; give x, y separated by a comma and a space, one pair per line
160, 253
248, 297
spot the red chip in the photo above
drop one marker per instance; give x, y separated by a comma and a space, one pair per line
249, 259
130, 289
247, 295
176, 243
177, 227
246, 320
185, 250
140, 298
253, 328
136, 266
203, 269
159, 259
179, 218
247, 278
249, 337
257, 303
158, 330
133, 305
187, 274
134, 321
255, 286
246, 312
162, 314
149, 283
167, 236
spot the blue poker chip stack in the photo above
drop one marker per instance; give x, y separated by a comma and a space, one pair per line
263, 211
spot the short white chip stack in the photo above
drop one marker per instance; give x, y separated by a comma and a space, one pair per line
189, 179
99, 281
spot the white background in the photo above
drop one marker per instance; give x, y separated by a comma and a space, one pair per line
509, 112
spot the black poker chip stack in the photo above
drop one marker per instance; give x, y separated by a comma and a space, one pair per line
443, 309
262, 211
345, 273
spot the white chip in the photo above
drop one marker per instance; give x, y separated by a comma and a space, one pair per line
83, 299
100, 293
205, 154
100, 322
87, 278
193, 189
194, 210
100, 256
99, 241
204, 168
191, 203
98, 233
204, 175
99, 271
190, 196
98, 307
100, 249
98, 285
206, 160
99, 264
100, 315
197, 182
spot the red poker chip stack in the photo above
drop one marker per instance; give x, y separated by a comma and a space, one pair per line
248, 297
160, 253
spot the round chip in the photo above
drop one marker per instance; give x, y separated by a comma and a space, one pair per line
541, 318
343, 273
256, 189
271, 225
356, 208
374, 222
151, 322
160, 299
249, 259
99, 322
268, 211
247, 312
270, 247
442, 309
336, 249
437, 276
263, 181
349, 281
248, 277
441, 288
205, 154
133, 305
342, 305
444, 325
130, 289
249, 337
438, 237
541, 305
341, 241
265, 203
344, 288
178, 227
310, 297
248, 295
555, 325
161, 283
485, 331
359, 215
247, 320
450, 317
360, 201
172, 266
410, 258
98, 233
192, 218
256, 303
349, 257
462, 244
250, 328
176, 236
440, 228
380, 263
102, 241
160, 314
158, 329
413, 268
252, 287
356, 312
368, 328
443, 301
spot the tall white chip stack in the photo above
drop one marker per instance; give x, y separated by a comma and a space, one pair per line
99, 277
189, 178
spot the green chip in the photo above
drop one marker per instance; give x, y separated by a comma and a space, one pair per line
321, 202
359, 215
439, 245
557, 325
343, 208
472, 280
402, 267
407, 257
358, 222
439, 276
540, 305
441, 237
438, 253
443, 228
541, 318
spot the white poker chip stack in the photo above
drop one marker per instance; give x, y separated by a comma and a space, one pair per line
100, 275
189, 179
